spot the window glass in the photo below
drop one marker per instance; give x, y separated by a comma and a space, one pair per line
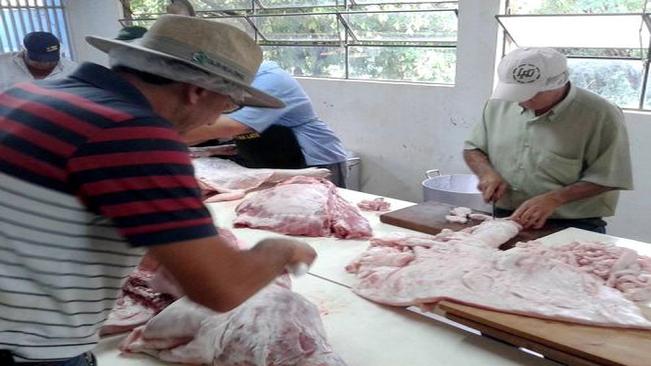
369, 39
420, 64
309, 61
575, 6
421, 26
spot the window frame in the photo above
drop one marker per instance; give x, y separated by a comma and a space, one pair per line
340, 10
645, 50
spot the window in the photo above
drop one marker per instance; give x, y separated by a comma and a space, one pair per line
19, 17
607, 42
399, 40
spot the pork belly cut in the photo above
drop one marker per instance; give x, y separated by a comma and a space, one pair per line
302, 206
424, 270
148, 290
224, 180
618, 267
490, 234
274, 327
137, 303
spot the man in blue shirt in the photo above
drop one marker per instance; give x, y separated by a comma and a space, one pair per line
286, 138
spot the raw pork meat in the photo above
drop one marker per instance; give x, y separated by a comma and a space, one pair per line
408, 239
378, 204
461, 215
489, 234
618, 267
147, 291
479, 217
494, 233
303, 206
274, 327
456, 219
224, 180
138, 302
466, 268
458, 215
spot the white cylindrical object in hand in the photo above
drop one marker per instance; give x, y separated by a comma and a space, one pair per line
298, 269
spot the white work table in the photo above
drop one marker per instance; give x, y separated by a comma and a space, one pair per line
367, 334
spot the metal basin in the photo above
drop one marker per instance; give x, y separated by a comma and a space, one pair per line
454, 189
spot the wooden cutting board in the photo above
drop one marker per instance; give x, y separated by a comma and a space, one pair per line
570, 344
429, 217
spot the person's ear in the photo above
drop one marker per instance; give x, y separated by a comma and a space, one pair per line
194, 94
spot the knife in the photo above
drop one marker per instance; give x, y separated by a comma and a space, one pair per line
493, 209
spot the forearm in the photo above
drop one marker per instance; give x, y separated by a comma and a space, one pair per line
478, 162
223, 128
219, 277
253, 270
577, 191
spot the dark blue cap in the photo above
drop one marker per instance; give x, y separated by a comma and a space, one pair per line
42, 46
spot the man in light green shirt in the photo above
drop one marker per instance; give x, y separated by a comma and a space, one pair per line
546, 149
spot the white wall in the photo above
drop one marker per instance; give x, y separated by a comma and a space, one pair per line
92, 17
400, 129
632, 219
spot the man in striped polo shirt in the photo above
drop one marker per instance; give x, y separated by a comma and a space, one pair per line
94, 172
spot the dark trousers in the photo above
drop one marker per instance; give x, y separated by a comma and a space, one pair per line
594, 224
86, 359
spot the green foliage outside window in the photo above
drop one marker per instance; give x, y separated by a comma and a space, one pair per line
575, 6
318, 44
617, 74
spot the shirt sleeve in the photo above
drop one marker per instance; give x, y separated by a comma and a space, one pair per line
139, 174
478, 138
610, 166
259, 119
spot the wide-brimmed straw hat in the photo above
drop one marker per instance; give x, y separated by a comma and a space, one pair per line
215, 48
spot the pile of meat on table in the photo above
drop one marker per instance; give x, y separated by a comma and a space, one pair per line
581, 282
274, 327
295, 202
376, 204
224, 180
303, 206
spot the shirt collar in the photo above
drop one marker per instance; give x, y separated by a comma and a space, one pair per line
57, 69
555, 110
563, 104
106, 79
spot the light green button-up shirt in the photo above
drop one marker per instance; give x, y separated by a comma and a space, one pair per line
583, 138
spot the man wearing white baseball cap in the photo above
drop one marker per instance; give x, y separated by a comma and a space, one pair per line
546, 150
97, 174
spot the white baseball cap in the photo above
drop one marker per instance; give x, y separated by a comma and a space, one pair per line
525, 72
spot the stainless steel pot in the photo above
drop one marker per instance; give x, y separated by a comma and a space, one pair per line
454, 189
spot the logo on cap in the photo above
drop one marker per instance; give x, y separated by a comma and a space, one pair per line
526, 73
53, 48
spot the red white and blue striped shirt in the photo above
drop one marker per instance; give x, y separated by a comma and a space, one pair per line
89, 175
